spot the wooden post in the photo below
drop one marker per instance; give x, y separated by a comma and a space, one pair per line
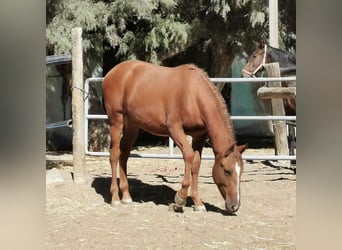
273, 23
77, 106
276, 92
279, 127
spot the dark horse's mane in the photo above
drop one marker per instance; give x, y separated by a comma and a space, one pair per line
284, 58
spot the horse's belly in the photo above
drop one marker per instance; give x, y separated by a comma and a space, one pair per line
151, 127
156, 131
150, 122
156, 122
160, 129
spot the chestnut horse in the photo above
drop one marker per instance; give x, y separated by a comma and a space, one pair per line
172, 102
266, 54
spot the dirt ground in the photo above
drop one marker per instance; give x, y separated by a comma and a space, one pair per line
80, 216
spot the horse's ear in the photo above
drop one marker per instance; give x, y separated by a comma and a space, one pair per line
263, 42
256, 44
242, 148
229, 149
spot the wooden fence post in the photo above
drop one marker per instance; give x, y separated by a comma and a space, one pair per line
276, 92
279, 127
77, 107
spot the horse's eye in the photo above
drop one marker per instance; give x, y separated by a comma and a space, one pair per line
227, 172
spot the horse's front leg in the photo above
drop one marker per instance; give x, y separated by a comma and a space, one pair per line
182, 194
179, 137
197, 145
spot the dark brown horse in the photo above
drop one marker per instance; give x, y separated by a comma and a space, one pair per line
266, 54
172, 102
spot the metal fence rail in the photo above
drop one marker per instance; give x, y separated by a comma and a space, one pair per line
171, 154
61, 124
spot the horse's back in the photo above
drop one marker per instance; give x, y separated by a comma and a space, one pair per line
130, 81
139, 73
145, 92
119, 76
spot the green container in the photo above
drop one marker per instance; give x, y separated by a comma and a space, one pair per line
244, 102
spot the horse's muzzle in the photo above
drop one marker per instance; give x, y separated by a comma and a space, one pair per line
232, 208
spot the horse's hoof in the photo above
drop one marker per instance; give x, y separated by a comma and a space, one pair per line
116, 203
127, 201
175, 208
200, 208
180, 201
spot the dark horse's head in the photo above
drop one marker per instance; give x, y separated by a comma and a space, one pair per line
227, 171
266, 54
263, 54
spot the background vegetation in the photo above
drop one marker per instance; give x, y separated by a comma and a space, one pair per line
209, 33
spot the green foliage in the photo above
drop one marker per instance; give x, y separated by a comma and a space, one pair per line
92, 17
143, 29
147, 30
154, 30
220, 7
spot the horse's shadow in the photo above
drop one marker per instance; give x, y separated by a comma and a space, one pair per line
140, 191
143, 192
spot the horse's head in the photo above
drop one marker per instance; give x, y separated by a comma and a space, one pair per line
227, 173
263, 54
256, 61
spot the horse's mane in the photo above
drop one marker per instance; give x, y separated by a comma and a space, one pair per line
284, 58
218, 96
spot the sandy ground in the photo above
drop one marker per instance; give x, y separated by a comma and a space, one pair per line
80, 216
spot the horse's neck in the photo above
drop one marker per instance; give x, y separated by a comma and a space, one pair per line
221, 133
277, 55
220, 128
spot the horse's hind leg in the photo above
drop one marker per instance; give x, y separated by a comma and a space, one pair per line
116, 122
197, 145
129, 136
